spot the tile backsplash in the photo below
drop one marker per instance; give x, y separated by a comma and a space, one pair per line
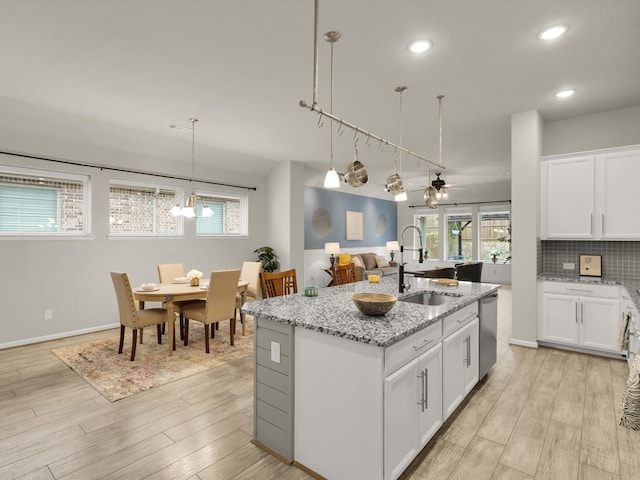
619, 259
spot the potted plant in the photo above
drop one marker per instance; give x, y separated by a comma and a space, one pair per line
268, 258
494, 255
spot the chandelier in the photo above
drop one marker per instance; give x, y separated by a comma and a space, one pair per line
189, 208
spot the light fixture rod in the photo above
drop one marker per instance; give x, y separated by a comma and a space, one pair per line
366, 133
440, 97
315, 53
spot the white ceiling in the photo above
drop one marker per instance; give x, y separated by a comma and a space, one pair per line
116, 73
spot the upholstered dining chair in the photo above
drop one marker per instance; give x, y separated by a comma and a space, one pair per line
471, 272
278, 283
445, 272
343, 274
250, 273
220, 305
130, 316
166, 273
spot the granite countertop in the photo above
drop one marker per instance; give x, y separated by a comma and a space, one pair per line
334, 313
631, 285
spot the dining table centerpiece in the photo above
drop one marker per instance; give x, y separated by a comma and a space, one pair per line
194, 277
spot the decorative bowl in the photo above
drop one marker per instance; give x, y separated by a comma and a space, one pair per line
374, 304
148, 287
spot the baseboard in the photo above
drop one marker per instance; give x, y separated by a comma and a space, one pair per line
56, 336
523, 343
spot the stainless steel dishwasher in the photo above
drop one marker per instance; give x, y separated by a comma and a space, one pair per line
488, 314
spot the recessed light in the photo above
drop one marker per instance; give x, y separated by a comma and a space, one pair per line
565, 93
553, 32
420, 46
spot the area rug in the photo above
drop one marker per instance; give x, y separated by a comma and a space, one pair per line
116, 377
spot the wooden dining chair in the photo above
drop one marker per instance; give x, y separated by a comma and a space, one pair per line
220, 305
166, 273
250, 273
278, 283
130, 316
343, 274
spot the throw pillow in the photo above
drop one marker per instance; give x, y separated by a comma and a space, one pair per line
369, 260
357, 262
344, 259
381, 262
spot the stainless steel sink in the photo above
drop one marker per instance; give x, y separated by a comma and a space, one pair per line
429, 298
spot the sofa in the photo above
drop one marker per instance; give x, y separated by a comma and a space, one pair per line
368, 264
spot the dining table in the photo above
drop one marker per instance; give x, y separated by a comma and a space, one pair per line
169, 293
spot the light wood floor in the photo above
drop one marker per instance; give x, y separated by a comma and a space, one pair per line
540, 414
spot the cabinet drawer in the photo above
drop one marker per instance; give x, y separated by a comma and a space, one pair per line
583, 289
405, 350
456, 320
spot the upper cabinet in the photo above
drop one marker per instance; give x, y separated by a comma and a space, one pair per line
590, 196
617, 176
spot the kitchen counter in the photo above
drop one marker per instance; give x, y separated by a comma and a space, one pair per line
631, 285
334, 313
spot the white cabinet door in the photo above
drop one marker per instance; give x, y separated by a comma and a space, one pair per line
617, 184
430, 382
400, 427
559, 319
600, 323
454, 350
471, 372
568, 198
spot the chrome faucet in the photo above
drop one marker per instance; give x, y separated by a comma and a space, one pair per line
401, 285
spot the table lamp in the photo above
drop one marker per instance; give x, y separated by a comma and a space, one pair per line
391, 247
332, 248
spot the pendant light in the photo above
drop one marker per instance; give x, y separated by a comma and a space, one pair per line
430, 192
394, 182
439, 183
189, 209
331, 179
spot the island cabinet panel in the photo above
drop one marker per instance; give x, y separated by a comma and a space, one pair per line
460, 358
413, 410
339, 406
273, 387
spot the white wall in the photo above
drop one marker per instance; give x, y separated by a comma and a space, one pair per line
612, 128
526, 143
71, 277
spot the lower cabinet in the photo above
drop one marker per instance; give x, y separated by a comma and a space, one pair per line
580, 315
412, 409
460, 366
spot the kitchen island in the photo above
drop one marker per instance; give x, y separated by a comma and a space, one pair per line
348, 396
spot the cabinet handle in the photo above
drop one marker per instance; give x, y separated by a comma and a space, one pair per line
468, 351
421, 377
576, 304
581, 312
584, 290
471, 315
426, 389
591, 229
603, 228
426, 342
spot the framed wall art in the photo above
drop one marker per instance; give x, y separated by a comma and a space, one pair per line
355, 226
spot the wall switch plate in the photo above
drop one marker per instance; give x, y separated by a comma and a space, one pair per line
275, 352
569, 266
48, 314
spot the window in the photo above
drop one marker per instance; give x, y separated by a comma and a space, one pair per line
459, 235
142, 210
429, 226
495, 233
38, 202
229, 214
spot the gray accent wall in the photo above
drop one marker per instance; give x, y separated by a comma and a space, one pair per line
619, 259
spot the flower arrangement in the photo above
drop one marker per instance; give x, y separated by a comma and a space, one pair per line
194, 277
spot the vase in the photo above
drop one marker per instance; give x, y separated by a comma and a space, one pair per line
195, 282
494, 259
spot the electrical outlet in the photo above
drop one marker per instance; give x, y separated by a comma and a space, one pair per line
48, 314
275, 352
569, 266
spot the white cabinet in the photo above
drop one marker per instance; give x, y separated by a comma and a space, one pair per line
586, 316
412, 409
617, 183
590, 196
568, 198
460, 366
